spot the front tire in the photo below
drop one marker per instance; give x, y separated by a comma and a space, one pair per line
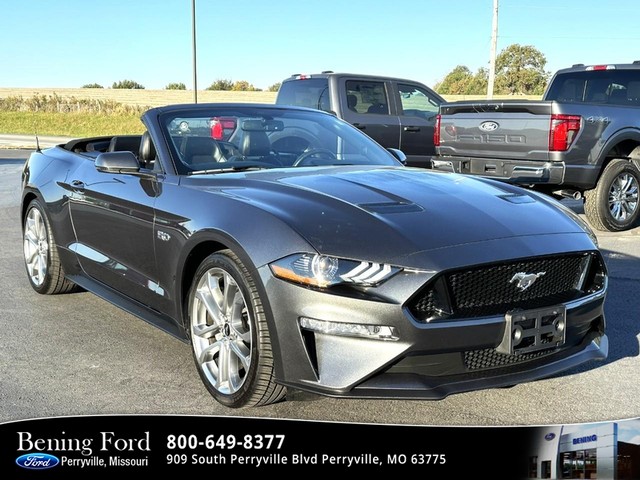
613, 205
41, 259
229, 334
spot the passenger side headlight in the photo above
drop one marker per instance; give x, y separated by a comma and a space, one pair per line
325, 271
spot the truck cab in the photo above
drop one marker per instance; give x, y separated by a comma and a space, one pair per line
395, 112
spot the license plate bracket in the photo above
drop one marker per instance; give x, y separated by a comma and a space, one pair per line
532, 330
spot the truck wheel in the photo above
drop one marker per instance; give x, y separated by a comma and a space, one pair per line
613, 205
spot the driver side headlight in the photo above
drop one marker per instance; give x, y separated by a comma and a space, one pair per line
325, 271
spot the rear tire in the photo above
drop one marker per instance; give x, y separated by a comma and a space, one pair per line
613, 205
41, 259
229, 334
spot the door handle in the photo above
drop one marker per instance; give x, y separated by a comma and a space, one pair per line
411, 129
360, 126
77, 186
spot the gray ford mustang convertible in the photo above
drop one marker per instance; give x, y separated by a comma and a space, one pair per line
291, 250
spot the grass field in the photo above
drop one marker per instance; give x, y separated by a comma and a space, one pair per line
75, 121
143, 98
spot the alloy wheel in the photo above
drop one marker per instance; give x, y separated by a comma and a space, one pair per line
623, 196
36, 247
221, 330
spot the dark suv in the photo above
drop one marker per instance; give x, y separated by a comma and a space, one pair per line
397, 113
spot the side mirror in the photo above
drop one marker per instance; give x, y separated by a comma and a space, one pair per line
398, 155
117, 162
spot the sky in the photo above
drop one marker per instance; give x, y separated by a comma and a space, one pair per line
69, 43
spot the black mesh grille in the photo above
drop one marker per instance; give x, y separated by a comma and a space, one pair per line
489, 358
425, 303
492, 289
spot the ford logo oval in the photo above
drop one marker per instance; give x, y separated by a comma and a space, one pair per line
489, 126
549, 436
37, 461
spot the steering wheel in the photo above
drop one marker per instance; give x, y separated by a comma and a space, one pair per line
314, 152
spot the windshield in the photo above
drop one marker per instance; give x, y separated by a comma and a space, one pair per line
234, 138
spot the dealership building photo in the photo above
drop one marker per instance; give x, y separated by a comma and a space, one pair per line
608, 450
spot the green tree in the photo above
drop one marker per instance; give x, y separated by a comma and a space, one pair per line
92, 85
127, 84
243, 86
520, 70
460, 81
456, 82
275, 87
479, 82
221, 84
176, 86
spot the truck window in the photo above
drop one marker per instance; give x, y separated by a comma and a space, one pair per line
367, 97
616, 87
311, 93
417, 102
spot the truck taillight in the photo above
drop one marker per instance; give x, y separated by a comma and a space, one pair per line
563, 131
436, 132
222, 128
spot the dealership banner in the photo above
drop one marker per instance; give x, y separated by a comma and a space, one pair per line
109, 445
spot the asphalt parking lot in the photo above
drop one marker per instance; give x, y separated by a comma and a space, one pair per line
76, 354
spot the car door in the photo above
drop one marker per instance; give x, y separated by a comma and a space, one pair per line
418, 108
113, 218
367, 104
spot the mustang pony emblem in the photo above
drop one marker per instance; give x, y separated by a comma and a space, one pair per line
525, 280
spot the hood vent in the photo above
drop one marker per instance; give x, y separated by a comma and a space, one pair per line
384, 208
517, 198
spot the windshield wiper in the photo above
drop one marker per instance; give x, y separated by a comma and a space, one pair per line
234, 168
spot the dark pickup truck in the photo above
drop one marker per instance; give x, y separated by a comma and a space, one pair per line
395, 112
581, 140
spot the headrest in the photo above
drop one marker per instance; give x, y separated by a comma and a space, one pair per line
147, 151
124, 143
255, 144
352, 101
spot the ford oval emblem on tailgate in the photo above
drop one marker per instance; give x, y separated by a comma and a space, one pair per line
489, 126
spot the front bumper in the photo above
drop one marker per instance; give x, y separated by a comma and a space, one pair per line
428, 360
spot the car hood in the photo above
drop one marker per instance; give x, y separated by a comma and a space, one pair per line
391, 213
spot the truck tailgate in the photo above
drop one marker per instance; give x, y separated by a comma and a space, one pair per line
510, 129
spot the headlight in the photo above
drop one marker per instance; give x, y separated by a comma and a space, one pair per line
325, 271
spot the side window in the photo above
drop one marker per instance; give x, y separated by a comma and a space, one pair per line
615, 87
367, 97
417, 101
568, 90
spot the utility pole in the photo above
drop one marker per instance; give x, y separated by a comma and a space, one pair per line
195, 61
492, 59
